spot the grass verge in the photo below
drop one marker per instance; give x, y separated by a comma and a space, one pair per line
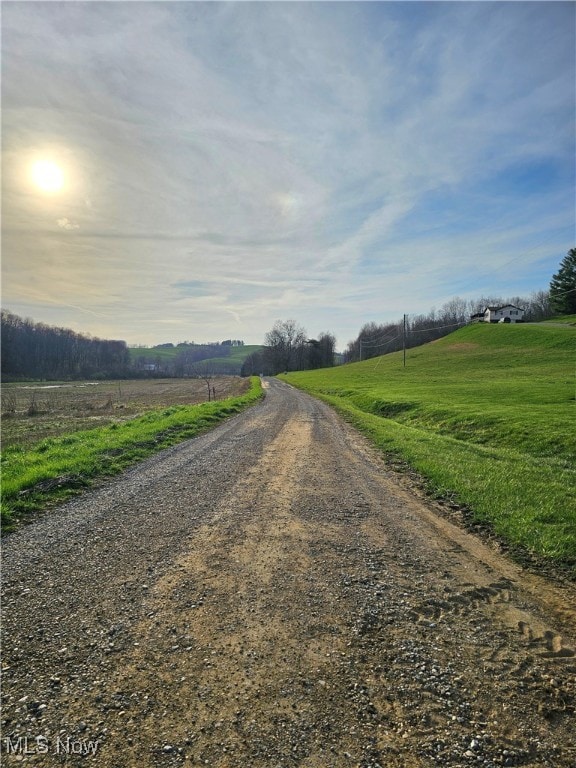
35, 477
486, 417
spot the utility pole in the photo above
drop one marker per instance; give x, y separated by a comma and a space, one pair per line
404, 341
360, 350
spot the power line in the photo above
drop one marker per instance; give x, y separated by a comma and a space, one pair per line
439, 327
377, 346
369, 344
376, 338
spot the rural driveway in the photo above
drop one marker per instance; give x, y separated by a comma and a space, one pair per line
271, 594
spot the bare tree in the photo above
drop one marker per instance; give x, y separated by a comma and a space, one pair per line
539, 307
257, 363
207, 374
285, 346
320, 351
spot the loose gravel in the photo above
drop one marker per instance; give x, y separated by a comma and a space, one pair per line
272, 594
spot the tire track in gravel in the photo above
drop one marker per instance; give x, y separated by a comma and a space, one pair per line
271, 595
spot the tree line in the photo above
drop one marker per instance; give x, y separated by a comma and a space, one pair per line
376, 339
33, 350
288, 348
37, 351
170, 345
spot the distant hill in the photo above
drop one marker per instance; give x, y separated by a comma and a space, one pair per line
221, 359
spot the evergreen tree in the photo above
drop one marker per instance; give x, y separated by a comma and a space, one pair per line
563, 285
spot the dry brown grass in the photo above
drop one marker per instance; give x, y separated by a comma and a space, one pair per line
34, 411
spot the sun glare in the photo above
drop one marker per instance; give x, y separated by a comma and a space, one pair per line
47, 176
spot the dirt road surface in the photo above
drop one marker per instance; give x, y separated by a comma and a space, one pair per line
270, 594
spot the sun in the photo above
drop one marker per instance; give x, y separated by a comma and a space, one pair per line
47, 176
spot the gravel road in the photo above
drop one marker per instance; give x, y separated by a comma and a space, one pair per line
271, 594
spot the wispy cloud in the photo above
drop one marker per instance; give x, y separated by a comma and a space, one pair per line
66, 224
232, 163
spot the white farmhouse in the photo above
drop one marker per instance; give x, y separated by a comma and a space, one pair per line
506, 314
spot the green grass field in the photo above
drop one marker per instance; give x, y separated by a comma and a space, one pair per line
33, 477
486, 416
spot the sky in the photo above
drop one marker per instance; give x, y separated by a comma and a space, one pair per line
195, 171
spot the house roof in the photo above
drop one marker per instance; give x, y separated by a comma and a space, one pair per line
504, 306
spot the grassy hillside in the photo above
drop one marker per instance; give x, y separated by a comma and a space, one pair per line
236, 358
241, 353
229, 365
570, 319
486, 415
